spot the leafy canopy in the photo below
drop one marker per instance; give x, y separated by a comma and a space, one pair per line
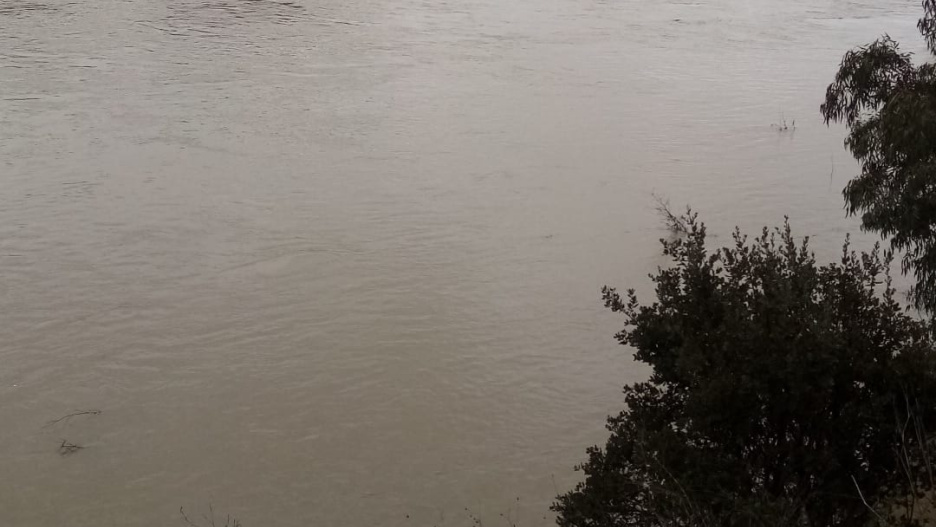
776, 390
889, 106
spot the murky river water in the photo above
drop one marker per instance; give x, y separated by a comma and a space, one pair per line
337, 262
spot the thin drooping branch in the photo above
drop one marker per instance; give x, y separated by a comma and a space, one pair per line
863, 500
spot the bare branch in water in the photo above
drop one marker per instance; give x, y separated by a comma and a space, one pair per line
69, 416
209, 519
67, 448
185, 518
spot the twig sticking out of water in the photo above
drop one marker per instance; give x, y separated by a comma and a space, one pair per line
832, 173
67, 448
675, 224
782, 126
69, 416
475, 520
511, 518
209, 519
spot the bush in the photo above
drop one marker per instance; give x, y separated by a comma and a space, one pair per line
781, 393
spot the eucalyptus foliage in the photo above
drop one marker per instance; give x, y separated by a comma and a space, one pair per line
889, 106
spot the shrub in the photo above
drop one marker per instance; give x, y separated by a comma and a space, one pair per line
779, 394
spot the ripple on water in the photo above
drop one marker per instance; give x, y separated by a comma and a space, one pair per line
333, 262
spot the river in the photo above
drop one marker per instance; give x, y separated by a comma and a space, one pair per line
337, 263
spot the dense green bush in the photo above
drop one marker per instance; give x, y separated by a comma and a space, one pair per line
781, 393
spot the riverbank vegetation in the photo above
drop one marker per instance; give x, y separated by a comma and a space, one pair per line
784, 392
889, 106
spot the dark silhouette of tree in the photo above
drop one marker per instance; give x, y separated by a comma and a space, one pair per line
889, 106
780, 394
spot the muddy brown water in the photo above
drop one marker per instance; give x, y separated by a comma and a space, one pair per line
337, 263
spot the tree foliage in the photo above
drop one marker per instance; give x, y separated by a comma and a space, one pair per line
889, 106
779, 388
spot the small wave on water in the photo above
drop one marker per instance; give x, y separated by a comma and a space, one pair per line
20, 8
225, 13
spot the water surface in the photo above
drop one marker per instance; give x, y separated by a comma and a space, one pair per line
337, 262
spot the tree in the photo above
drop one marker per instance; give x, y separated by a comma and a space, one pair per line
889, 106
778, 394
